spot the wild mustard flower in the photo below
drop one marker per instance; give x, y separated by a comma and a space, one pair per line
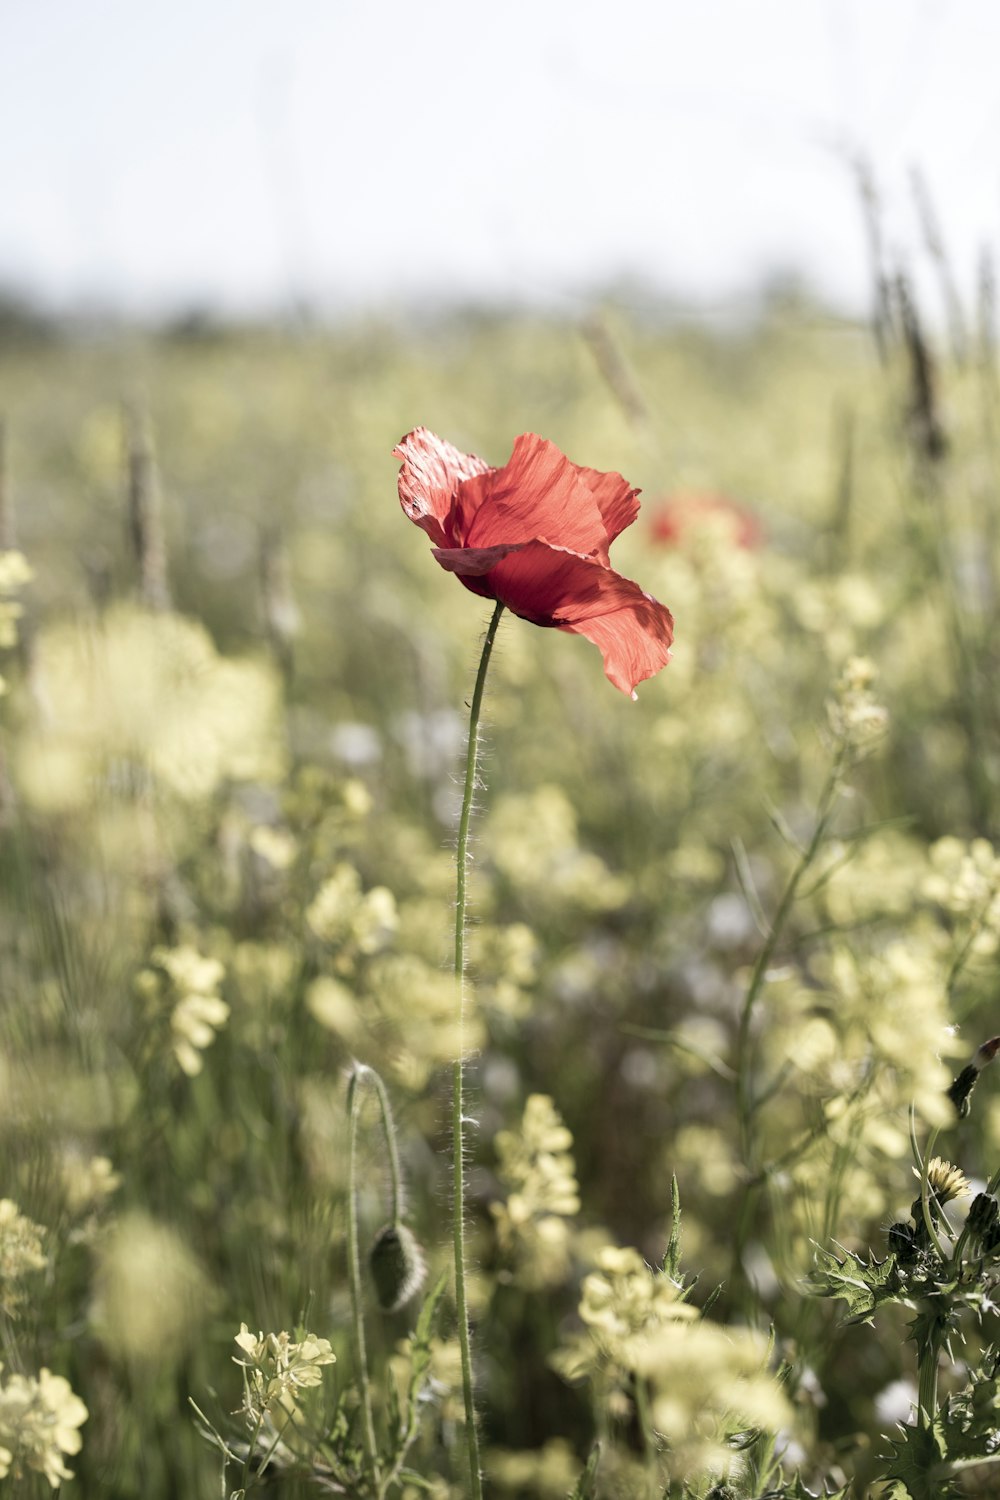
840, 611
537, 1168
859, 721
21, 1253
415, 1003
278, 1368
533, 841
964, 880
343, 916
622, 1303
40, 1420
702, 1383
707, 1384
505, 961
189, 982
194, 1022
334, 1006
624, 1300
147, 691
88, 1181
14, 574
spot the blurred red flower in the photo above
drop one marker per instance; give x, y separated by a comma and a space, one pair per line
535, 536
683, 513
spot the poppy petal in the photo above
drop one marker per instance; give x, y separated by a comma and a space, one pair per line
633, 638
551, 586
616, 499
429, 480
538, 493
473, 562
534, 535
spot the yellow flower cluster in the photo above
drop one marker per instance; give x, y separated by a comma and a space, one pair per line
190, 982
856, 717
40, 1420
533, 841
964, 880
623, 1303
709, 1383
14, 574
537, 1168
278, 1368
704, 1383
20, 1253
139, 695
346, 918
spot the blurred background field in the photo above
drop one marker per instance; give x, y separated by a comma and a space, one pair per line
230, 741
727, 936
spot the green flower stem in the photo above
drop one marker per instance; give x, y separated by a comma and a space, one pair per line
928, 1383
745, 1104
922, 1165
457, 1116
360, 1074
368, 1075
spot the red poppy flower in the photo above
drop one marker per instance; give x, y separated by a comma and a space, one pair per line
683, 513
535, 536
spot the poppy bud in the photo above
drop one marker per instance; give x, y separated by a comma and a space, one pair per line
983, 1216
397, 1266
961, 1089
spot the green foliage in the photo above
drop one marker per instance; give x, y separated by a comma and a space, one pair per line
864, 1285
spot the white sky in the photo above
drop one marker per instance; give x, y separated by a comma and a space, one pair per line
157, 153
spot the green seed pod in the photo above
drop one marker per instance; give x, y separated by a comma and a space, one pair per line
397, 1266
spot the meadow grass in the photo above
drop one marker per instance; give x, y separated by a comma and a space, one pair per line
728, 945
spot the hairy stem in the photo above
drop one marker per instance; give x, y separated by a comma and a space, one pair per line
457, 1113
354, 1275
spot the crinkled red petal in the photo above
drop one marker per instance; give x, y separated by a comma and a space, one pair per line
538, 493
432, 473
552, 586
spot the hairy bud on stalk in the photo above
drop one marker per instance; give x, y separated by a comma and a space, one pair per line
983, 1223
961, 1090
397, 1266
